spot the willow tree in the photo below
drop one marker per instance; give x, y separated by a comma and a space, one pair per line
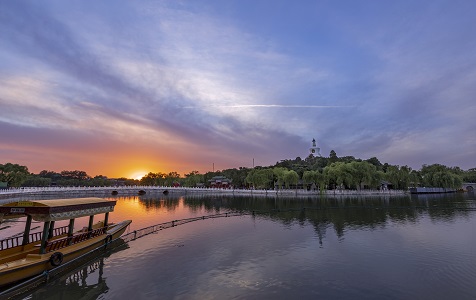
362, 172
437, 175
291, 178
313, 177
399, 177
260, 178
279, 173
339, 173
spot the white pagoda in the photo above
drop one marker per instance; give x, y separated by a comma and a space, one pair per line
314, 150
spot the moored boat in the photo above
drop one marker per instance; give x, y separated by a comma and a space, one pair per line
31, 254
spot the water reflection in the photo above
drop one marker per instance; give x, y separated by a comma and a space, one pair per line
85, 282
342, 213
345, 248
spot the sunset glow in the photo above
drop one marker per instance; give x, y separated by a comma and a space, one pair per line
138, 175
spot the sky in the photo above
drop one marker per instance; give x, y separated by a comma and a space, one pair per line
121, 88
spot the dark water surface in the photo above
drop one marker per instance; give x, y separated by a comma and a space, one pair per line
348, 248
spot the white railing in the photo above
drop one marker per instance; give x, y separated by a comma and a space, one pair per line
291, 192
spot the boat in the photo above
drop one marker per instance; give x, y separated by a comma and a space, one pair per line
30, 254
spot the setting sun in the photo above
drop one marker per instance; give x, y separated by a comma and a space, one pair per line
138, 175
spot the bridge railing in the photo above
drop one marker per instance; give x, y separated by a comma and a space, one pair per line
192, 190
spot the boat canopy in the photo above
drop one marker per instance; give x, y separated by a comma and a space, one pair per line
58, 209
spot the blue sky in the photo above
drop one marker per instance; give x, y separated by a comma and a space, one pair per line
112, 87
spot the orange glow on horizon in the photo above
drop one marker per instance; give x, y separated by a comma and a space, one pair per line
120, 163
137, 175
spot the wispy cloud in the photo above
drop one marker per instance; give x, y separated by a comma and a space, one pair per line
268, 106
169, 79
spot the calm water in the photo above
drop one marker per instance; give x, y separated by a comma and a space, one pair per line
349, 248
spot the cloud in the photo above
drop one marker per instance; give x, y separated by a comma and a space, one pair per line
267, 106
193, 86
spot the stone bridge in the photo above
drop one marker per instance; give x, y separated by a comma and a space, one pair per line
469, 186
155, 190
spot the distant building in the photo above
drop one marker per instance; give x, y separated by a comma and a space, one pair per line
314, 150
219, 182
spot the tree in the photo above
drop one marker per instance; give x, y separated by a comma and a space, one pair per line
36, 180
99, 180
437, 175
291, 178
49, 174
153, 179
237, 176
193, 178
415, 178
362, 172
313, 177
13, 174
278, 175
470, 175
332, 157
374, 161
392, 175
260, 178
76, 174
171, 178
338, 174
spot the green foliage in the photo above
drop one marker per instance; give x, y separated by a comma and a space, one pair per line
374, 161
437, 175
278, 175
237, 176
332, 158
153, 179
339, 174
100, 180
36, 180
332, 172
291, 178
314, 177
50, 174
75, 175
399, 177
193, 179
172, 178
469, 176
362, 172
260, 178
13, 174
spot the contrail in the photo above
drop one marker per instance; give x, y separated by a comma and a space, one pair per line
268, 105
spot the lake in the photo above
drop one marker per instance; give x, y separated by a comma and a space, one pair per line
283, 248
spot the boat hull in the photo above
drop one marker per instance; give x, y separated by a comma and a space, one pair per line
35, 264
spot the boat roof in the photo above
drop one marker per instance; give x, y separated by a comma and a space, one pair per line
57, 209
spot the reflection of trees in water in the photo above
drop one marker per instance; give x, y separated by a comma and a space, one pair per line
153, 202
171, 203
344, 212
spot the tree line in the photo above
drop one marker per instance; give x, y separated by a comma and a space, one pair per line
331, 172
